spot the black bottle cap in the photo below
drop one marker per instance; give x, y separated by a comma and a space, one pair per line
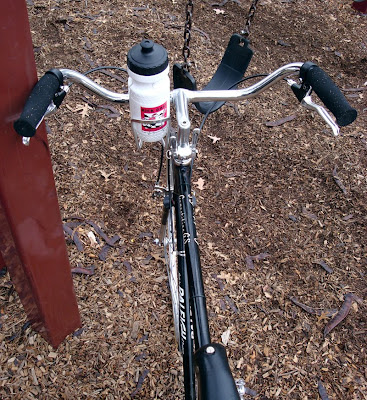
147, 58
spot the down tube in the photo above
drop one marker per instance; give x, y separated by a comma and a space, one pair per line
186, 342
185, 211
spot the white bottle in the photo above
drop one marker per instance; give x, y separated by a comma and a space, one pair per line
149, 91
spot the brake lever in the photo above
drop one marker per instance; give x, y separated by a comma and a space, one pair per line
310, 105
303, 93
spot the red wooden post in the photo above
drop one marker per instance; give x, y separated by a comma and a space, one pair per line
2, 262
32, 242
360, 5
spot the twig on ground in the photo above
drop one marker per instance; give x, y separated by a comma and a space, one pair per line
110, 241
202, 33
338, 181
359, 89
231, 304
222, 3
250, 259
308, 214
341, 314
280, 121
311, 310
323, 264
103, 254
84, 271
322, 391
128, 267
140, 382
74, 236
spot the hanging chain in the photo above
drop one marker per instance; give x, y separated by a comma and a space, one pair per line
187, 34
246, 30
188, 24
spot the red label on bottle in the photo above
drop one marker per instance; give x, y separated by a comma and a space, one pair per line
153, 114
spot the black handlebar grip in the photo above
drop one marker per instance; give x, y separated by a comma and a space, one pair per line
38, 101
328, 93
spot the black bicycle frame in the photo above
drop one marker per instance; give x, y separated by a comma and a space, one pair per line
215, 380
193, 313
185, 215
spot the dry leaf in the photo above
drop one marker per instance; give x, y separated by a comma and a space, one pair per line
92, 238
250, 259
200, 183
229, 278
214, 139
240, 363
218, 253
308, 214
322, 391
105, 174
83, 271
84, 109
225, 336
267, 291
135, 329
158, 256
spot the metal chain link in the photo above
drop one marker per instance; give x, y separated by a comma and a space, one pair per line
187, 34
188, 24
246, 30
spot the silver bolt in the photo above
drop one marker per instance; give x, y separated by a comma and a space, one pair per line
210, 350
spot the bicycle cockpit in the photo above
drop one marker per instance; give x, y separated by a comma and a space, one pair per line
150, 100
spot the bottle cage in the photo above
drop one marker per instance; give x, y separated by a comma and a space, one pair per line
230, 71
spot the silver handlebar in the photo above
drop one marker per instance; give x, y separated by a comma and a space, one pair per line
182, 97
242, 94
190, 96
99, 90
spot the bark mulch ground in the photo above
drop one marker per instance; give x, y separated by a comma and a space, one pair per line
281, 212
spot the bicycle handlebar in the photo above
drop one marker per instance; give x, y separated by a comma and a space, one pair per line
311, 74
37, 103
81, 79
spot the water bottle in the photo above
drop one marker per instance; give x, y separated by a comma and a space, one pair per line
149, 91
